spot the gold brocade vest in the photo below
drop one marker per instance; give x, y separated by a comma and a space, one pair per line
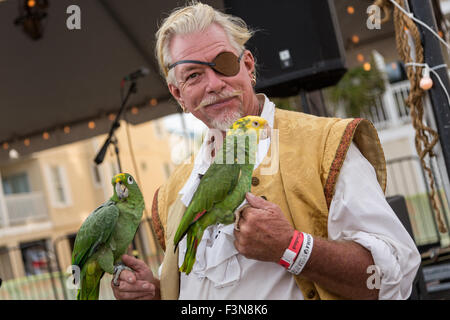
299, 174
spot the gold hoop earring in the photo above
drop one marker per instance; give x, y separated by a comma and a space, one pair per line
253, 80
184, 109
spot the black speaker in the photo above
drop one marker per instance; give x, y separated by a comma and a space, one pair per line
297, 44
398, 205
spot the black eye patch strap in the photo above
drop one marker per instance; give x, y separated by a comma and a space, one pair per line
211, 64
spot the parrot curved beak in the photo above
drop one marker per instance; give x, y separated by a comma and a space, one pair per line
265, 132
121, 190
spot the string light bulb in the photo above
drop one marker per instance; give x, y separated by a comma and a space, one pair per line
91, 125
13, 154
5, 145
355, 38
134, 110
367, 66
26, 142
45, 136
426, 82
360, 57
350, 10
153, 102
66, 129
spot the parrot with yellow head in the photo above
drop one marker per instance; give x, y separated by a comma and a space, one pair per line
105, 236
223, 186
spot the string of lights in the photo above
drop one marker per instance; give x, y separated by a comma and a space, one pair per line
90, 123
355, 39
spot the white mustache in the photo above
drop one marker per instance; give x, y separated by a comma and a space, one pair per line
217, 98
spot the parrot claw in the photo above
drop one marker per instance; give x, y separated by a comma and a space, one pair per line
238, 214
118, 268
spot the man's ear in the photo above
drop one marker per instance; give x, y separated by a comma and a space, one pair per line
175, 93
249, 61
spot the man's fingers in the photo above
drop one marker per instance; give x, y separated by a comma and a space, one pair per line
257, 202
248, 213
239, 214
135, 264
138, 286
127, 276
137, 291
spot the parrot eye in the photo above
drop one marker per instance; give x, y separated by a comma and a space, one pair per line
130, 180
255, 124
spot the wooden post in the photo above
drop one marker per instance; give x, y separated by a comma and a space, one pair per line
423, 11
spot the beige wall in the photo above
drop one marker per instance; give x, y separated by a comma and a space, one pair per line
151, 152
398, 148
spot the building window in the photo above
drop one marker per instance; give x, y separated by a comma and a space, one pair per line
35, 257
17, 183
58, 186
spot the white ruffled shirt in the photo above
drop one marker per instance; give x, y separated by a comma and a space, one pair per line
220, 272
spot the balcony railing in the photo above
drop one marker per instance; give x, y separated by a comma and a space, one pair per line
390, 108
24, 207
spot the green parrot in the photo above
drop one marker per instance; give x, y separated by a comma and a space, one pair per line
223, 186
105, 236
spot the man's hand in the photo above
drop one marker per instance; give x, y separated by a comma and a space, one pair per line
264, 233
137, 285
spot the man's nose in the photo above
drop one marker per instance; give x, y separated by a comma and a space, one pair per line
215, 82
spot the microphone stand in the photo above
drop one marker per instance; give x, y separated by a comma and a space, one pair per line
113, 139
116, 124
115, 142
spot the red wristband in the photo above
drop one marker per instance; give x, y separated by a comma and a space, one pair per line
292, 251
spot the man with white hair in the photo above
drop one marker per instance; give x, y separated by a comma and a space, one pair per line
318, 227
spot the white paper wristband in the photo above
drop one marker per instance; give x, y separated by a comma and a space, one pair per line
303, 255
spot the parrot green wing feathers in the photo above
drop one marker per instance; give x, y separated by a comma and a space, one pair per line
105, 236
95, 231
218, 181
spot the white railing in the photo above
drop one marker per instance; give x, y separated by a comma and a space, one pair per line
400, 91
390, 109
377, 114
25, 207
